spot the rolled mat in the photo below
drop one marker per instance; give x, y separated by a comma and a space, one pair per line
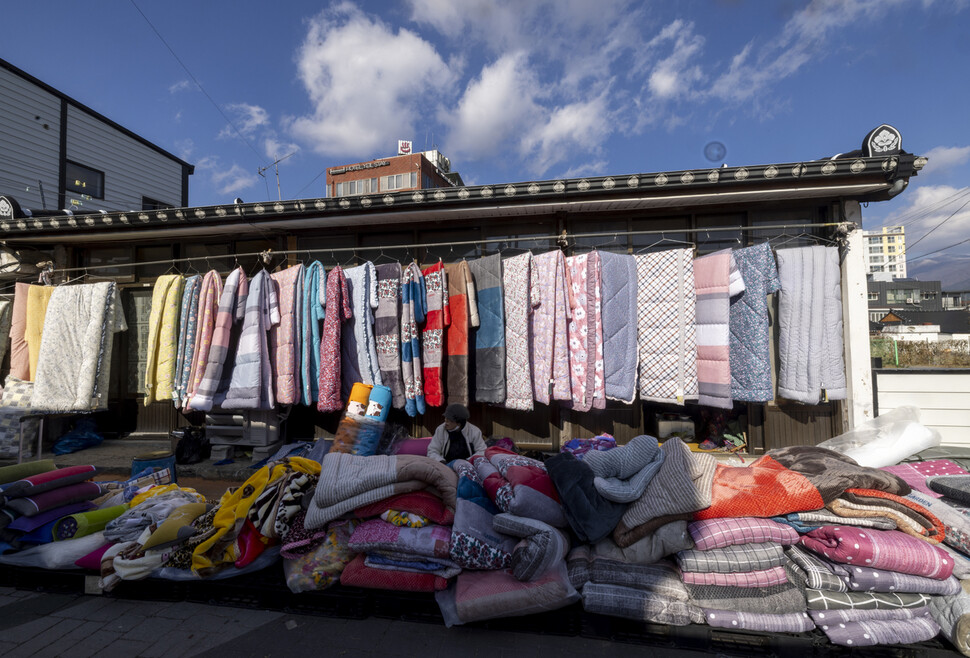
16, 472
82, 524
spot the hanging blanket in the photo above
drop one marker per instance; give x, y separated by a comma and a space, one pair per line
284, 338
765, 488
350, 481
75, 356
666, 341
314, 301
162, 333
792, 622
812, 367
464, 316
586, 332
519, 485
338, 312
910, 517
832, 473
414, 308
550, 317
681, 486
518, 296
438, 317
716, 280
387, 327
6, 317
188, 325
891, 550
209, 297
619, 312
19, 352
487, 344
251, 383
358, 346
37, 299
232, 306
750, 361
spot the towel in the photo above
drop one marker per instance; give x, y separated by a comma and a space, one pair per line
414, 308
284, 338
487, 343
716, 280
387, 327
433, 337
518, 296
215, 379
37, 299
464, 317
209, 296
550, 318
338, 312
314, 301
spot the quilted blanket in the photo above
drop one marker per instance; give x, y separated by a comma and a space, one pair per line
188, 326
891, 550
251, 381
481, 595
487, 343
716, 280
585, 332
832, 473
208, 307
640, 605
916, 474
758, 578
37, 300
433, 337
284, 337
666, 540
414, 307
162, 334
750, 361
778, 599
792, 622
952, 613
619, 310
387, 328
540, 549
718, 533
519, 485
666, 338
338, 312
232, 306
312, 316
351, 481
19, 352
732, 559
358, 574
623, 473
550, 315
475, 544
765, 488
858, 601
519, 299
358, 345
464, 317
812, 366
910, 517
75, 352
873, 632
377, 535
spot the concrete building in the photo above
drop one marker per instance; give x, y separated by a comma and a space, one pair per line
403, 172
885, 253
908, 294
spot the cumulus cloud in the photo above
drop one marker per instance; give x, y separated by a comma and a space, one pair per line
676, 74
942, 158
275, 148
577, 127
246, 119
495, 109
181, 85
225, 180
367, 83
595, 168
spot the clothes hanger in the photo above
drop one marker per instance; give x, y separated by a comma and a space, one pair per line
664, 239
789, 237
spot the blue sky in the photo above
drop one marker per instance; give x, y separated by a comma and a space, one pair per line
516, 91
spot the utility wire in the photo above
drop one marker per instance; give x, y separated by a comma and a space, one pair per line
197, 83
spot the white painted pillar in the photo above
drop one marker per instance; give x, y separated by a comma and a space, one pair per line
855, 324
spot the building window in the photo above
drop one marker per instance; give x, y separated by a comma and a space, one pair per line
892, 268
875, 250
357, 187
147, 203
929, 294
84, 180
873, 296
875, 259
891, 238
878, 268
399, 182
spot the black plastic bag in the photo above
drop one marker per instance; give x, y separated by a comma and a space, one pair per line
193, 446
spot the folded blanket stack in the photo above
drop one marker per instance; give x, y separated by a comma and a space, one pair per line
867, 587
738, 564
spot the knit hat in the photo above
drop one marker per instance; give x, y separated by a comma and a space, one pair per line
456, 412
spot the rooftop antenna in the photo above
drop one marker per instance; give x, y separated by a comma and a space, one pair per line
276, 165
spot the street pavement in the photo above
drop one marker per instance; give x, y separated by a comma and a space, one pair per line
78, 626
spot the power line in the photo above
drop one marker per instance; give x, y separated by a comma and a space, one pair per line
930, 253
197, 83
914, 216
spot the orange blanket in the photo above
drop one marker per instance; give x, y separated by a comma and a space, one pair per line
763, 489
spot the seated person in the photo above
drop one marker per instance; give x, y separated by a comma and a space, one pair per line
456, 438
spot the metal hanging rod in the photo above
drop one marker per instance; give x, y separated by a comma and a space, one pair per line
525, 238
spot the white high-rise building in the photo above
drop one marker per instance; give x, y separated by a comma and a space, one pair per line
885, 254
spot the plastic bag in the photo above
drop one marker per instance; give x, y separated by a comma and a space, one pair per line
886, 440
84, 435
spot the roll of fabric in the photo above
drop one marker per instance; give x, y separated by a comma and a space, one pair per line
379, 403
85, 523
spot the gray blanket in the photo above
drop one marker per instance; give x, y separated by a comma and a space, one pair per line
619, 284
486, 345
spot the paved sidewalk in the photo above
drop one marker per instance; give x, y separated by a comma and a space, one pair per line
78, 626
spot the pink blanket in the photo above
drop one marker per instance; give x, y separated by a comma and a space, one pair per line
585, 333
550, 315
716, 280
891, 550
284, 338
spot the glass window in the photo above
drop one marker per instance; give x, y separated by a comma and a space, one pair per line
84, 180
710, 241
147, 203
149, 254
207, 257
929, 294
107, 256
873, 296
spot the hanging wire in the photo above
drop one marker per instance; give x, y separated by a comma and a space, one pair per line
531, 238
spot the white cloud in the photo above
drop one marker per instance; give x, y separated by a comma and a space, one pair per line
595, 168
184, 148
247, 118
937, 215
675, 75
945, 157
496, 107
577, 127
233, 180
368, 84
181, 85
274, 148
